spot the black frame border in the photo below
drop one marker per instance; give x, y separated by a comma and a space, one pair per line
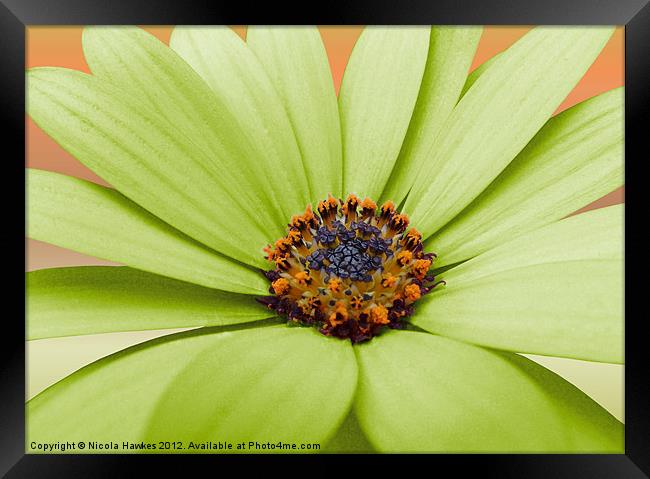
15, 15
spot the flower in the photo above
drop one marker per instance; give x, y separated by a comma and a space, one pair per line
213, 144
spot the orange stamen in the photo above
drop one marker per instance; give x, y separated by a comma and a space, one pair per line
294, 237
304, 222
399, 223
404, 258
412, 292
335, 285
368, 207
303, 278
356, 302
379, 315
339, 316
310, 217
327, 209
385, 213
388, 280
412, 239
349, 208
270, 253
420, 268
388, 207
282, 247
280, 286
283, 263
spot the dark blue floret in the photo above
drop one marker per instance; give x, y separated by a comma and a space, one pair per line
345, 234
364, 228
350, 260
315, 260
379, 245
325, 236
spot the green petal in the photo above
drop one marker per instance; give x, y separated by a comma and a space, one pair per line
476, 73
576, 158
98, 221
149, 160
296, 61
378, 93
264, 384
557, 291
451, 50
240, 141
349, 438
499, 114
419, 392
274, 384
104, 299
243, 90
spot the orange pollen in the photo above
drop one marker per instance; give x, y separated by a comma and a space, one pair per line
412, 292
379, 315
298, 222
388, 280
280, 286
282, 263
328, 207
294, 237
335, 285
314, 302
356, 302
350, 206
399, 222
352, 201
412, 238
339, 315
420, 268
282, 247
303, 278
367, 204
404, 258
387, 208
302, 222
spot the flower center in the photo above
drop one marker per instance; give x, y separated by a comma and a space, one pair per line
349, 270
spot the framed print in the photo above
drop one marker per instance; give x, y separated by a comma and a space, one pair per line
383, 233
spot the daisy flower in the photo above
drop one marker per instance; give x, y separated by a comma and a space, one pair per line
360, 272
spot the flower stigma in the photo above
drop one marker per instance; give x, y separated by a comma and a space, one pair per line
350, 269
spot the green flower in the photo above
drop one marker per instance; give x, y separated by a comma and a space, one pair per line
213, 144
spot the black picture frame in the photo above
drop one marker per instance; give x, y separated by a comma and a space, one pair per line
15, 15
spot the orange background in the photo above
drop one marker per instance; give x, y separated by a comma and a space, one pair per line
52, 359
